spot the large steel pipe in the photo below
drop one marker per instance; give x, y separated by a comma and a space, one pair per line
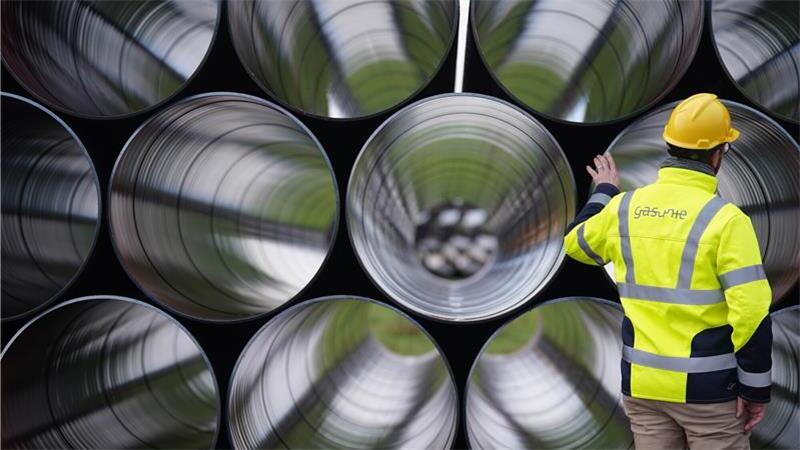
106, 58
551, 379
457, 206
758, 42
760, 175
223, 207
342, 372
342, 59
591, 60
107, 372
780, 428
51, 202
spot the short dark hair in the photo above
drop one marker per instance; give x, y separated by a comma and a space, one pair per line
695, 155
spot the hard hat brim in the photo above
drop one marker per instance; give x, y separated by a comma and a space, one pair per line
733, 134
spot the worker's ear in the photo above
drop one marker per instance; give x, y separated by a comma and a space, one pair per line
716, 159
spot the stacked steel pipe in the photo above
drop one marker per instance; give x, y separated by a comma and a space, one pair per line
331, 373
212, 215
107, 372
51, 206
222, 206
429, 162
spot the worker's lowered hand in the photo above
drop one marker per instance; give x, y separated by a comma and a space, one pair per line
606, 171
755, 412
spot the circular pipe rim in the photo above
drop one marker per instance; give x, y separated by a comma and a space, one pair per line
328, 251
493, 335
647, 106
98, 223
394, 108
151, 108
757, 105
136, 302
554, 270
458, 401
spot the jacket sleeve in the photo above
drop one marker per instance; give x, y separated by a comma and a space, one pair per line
748, 296
586, 240
602, 194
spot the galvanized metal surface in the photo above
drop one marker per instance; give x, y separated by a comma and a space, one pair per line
461, 149
51, 203
342, 372
758, 43
106, 58
587, 61
223, 207
551, 379
107, 372
342, 59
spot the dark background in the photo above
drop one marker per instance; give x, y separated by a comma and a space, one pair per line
343, 140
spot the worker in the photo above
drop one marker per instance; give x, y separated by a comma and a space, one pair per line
696, 332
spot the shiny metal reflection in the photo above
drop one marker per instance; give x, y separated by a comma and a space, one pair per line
107, 372
223, 207
551, 379
342, 372
758, 43
51, 202
780, 428
342, 59
760, 175
106, 58
590, 60
471, 150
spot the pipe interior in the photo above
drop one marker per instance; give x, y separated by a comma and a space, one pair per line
107, 372
759, 175
551, 379
106, 58
346, 58
758, 43
342, 373
50, 206
617, 57
457, 206
780, 428
223, 207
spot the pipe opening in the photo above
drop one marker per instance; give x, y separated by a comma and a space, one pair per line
759, 175
344, 59
107, 372
551, 379
758, 43
780, 428
457, 207
51, 202
223, 207
342, 372
106, 58
616, 59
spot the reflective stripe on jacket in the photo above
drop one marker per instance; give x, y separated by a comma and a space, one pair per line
688, 269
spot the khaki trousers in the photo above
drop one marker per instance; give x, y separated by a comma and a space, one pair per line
665, 425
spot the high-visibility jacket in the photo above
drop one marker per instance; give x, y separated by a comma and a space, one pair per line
696, 299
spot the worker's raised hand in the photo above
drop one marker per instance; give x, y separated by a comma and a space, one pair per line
755, 412
606, 170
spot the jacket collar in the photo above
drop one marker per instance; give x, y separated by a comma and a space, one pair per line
674, 171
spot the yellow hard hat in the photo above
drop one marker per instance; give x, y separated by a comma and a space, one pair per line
701, 122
